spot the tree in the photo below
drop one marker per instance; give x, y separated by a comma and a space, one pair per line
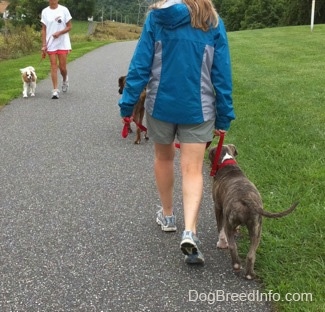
298, 12
263, 13
232, 12
117, 10
29, 12
26, 12
81, 10
237, 14
249, 14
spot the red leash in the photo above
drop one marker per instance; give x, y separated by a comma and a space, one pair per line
125, 130
215, 166
127, 121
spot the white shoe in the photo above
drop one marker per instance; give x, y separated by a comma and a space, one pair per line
55, 94
65, 85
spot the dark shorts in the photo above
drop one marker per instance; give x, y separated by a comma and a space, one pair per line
165, 133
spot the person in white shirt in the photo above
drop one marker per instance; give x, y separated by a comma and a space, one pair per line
56, 24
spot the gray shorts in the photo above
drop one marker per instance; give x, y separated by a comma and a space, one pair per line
165, 133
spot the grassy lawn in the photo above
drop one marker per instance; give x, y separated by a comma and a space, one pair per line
10, 80
280, 136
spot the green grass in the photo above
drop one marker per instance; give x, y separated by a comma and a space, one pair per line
279, 132
10, 79
79, 28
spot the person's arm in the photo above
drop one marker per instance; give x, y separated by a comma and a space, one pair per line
44, 44
222, 80
65, 30
139, 70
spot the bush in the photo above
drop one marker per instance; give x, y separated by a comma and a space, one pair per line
18, 41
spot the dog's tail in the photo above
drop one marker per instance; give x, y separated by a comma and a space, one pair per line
268, 214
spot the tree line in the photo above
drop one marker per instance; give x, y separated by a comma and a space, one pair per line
237, 14
252, 14
29, 12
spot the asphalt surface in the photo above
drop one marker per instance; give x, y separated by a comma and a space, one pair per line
78, 205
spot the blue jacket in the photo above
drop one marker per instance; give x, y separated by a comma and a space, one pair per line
187, 71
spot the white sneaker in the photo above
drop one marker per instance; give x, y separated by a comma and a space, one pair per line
65, 85
167, 223
55, 94
189, 247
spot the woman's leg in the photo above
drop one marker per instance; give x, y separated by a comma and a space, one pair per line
54, 70
192, 156
63, 66
164, 172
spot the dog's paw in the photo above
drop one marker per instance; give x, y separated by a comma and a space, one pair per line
249, 276
25, 96
222, 244
32, 94
237, 267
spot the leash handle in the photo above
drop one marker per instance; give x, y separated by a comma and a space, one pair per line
217, 155
125, 130
127, 121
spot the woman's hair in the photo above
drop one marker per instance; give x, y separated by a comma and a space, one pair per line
203, 13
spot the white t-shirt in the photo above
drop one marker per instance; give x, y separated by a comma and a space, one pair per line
56, 20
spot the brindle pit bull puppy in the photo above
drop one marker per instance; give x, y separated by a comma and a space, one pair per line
238, 202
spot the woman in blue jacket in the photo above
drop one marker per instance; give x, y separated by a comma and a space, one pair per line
183, 60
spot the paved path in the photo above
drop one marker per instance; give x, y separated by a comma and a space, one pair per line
77, 209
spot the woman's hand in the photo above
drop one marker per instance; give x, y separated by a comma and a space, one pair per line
44, 49
126, 128
56, 35
217, 132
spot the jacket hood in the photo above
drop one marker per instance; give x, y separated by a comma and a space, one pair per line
172, 16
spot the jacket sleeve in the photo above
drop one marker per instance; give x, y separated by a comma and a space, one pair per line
139, 70
222, 80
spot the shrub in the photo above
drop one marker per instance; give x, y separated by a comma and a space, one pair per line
18, 41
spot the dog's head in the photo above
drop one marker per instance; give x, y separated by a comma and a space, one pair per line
228, 151
28, 73
121, 83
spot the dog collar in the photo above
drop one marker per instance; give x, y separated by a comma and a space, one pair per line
227, 162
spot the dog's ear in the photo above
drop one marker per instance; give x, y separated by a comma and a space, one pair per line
233, 149
121, 83
212, 154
